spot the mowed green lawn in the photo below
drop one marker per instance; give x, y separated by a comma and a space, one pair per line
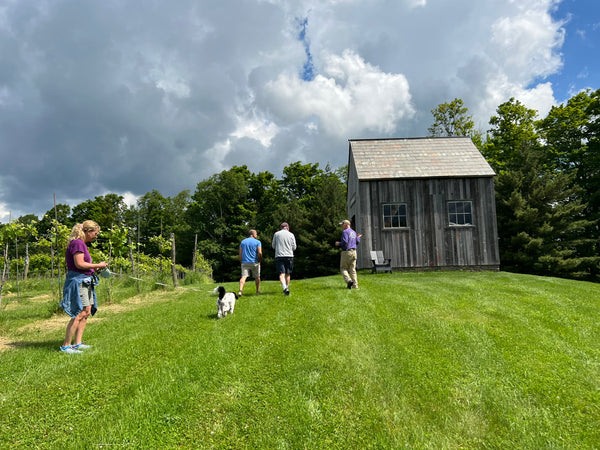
417, 360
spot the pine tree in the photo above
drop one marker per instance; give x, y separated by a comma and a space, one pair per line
571, 134
539, 208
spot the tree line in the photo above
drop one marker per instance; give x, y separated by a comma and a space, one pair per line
547, 194
211, 221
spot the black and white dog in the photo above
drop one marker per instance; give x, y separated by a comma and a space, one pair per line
226, 302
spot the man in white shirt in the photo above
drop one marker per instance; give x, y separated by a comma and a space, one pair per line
284, 243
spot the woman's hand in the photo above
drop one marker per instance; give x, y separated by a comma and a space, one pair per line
82, 265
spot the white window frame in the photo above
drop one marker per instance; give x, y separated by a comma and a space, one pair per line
401, 218
460, 213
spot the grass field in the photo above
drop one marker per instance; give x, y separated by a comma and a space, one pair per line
415, 360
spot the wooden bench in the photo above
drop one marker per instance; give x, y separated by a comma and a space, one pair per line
380, 264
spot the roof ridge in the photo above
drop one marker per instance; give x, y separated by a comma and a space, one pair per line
408, 138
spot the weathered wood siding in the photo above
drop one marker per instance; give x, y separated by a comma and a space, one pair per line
353, 191
428, 241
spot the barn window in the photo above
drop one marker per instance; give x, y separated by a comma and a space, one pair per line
460, 213
394, 215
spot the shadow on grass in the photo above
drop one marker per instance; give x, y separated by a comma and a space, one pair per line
45, 345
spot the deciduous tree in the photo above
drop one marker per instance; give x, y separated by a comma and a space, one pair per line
452, 119
221, 212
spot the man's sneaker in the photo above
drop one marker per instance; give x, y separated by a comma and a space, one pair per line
239, 293
69, 349
349, 284
286, 291
81, 346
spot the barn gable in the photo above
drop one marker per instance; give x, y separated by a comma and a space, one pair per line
426, 202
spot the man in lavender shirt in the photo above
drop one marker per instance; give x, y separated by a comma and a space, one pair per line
348, 258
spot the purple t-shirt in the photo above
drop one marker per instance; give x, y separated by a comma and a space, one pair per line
349, 239
77, 246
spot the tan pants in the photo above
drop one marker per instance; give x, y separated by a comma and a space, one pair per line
348, 267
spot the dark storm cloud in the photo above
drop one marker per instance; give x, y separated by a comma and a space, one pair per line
130, 97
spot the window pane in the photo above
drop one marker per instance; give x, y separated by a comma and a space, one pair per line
394, 215
460, 213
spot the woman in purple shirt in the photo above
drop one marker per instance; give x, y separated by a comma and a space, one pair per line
79, 297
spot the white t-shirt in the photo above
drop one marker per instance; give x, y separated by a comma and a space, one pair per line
284, 243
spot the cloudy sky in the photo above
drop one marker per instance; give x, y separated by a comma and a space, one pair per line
126, 97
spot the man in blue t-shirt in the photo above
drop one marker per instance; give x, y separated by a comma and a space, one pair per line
250, 256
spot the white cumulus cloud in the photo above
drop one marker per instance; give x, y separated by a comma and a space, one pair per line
348, 97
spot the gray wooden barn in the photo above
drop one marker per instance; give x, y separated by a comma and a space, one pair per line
428, 203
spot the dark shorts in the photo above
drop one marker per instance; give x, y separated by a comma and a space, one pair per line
284, 264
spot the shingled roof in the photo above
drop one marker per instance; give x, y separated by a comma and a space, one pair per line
435, 157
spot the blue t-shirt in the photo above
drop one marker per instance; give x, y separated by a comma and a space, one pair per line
250, 247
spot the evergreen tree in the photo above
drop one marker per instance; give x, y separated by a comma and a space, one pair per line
316, 204
325, 211
570, 133
538, 208
589, 180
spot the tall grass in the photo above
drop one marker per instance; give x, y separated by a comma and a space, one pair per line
418, 360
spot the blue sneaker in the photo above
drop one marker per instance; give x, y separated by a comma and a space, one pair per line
69, 349
81, 346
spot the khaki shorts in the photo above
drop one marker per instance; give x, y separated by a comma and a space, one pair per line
251, 270
86, 292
